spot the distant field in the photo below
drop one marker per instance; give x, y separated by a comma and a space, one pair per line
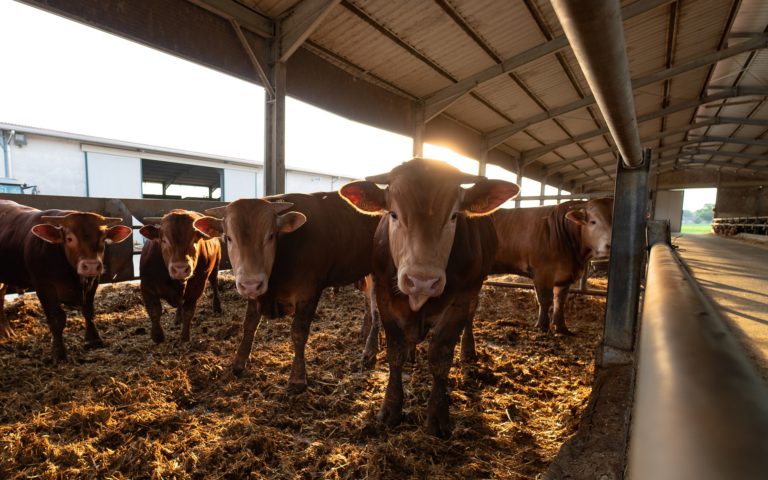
694, 228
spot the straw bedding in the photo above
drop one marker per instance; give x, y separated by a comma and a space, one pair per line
137, 410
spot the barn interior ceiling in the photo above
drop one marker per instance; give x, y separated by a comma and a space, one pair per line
490, 76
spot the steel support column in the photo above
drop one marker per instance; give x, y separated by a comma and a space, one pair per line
519, 172
483, 161
274, 125
626, 266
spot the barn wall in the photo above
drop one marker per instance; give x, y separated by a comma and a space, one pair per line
741, 202
669, 206
307, 182
56, 166
240, 184
113, 176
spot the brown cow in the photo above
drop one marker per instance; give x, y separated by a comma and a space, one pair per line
282, 264
432, 251
174, 266
552, 245
59, 254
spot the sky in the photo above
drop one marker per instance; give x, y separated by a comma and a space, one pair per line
62, 75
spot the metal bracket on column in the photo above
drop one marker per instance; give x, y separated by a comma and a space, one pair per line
254, 60
626, 265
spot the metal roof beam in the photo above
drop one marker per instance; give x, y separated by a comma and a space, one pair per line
250, 19
742, 141
300, 23
444, 98
721, 95
719, 153
557, 166
502, 134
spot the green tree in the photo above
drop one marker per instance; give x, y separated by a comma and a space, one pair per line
704, 214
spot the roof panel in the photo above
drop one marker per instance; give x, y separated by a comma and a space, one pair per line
493, 24
547, 80
700, 28
508, 97
476, 114
646, 41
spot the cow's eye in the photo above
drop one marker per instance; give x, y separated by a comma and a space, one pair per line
271, 236
227, 239
593, 222
393, 215
70, 239
454, 216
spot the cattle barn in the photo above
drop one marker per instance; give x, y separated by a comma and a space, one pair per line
664, 375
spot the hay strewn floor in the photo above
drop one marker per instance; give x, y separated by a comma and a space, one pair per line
136, 410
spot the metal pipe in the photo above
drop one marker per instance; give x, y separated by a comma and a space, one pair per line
596, 33
700, 409
528, 286
572, 196
626, 264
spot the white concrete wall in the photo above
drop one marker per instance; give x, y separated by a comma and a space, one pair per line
113, 176
56, 166
304, 182
669, 206
239, 184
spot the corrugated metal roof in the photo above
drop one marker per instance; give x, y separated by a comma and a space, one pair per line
421, 47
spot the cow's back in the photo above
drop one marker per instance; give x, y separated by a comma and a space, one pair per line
532, 239
333, 247
23, 256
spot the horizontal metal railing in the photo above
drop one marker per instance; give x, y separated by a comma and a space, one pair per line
700, 409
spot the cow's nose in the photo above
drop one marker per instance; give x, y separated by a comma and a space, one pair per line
251, 287
180, 270
422, 284
89, 268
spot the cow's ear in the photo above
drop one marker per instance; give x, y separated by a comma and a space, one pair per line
290, 221
49, 233
150, 232
577, 216
209, 226
487, 195
365, 196
118, 233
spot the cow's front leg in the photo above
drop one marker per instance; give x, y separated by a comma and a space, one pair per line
213, 280
392, 407
558, 311
92, 337
468, 352
187, 308
250, 324
155, 312
544, 297
5, 325
372, 334
305, 312
57, 320
441, 349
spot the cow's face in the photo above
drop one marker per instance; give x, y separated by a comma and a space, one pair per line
596, 219
83, 237
422, 204
179, 241
250, 228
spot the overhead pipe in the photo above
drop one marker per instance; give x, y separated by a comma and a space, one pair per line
596, 33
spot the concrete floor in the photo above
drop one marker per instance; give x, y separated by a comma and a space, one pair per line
735, 275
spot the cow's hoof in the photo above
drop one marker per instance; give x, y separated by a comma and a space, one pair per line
563, 331
438, 428
296, 388
217, 310
237, 370
541, 328
369, 360
158, 337
59, 356
94, 343
389, 416
469, 357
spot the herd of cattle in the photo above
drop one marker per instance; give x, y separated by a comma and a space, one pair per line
420, 248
